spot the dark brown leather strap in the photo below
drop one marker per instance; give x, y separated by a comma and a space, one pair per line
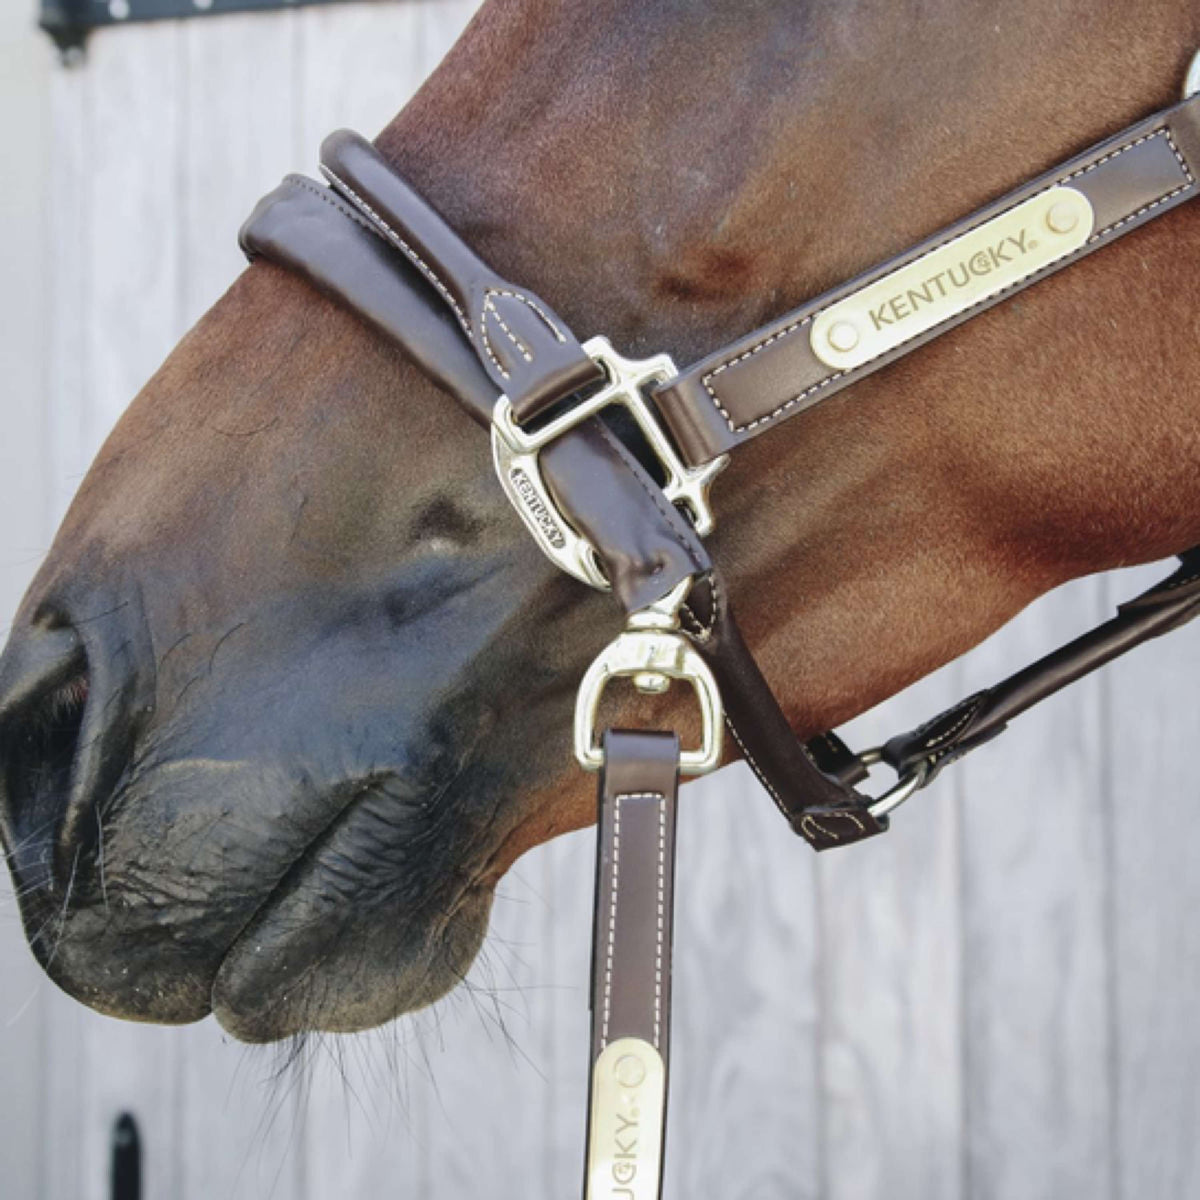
981, 717
526, 348
824, 809
631, 961
307, 228
773, 373
646, 545
635, 867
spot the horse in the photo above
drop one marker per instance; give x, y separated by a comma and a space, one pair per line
291, 691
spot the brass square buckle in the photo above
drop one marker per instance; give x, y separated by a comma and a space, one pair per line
515, 453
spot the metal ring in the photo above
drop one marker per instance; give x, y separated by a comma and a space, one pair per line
905, 786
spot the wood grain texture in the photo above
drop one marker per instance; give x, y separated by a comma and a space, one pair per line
240, 134
565, 966
1153, 732
132, 298
993, 1001
744, 1121
890, 969
1035, 968
64, 455
25, 70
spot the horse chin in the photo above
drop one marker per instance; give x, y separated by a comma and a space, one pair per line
287, 975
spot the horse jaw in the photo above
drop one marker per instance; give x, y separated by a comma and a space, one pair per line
285, 492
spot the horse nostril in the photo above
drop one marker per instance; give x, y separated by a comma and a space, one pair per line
44, 687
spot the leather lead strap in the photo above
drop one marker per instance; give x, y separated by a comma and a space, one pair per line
631, 965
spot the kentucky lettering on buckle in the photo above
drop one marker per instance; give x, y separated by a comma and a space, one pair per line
515, 454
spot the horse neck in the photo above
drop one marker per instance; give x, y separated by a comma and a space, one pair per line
673, 174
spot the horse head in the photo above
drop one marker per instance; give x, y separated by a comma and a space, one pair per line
293, 687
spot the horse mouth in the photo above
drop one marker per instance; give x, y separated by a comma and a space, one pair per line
356, 933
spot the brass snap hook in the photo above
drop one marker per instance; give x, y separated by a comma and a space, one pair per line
652, 652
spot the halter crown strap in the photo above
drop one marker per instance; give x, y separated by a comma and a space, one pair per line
811, 353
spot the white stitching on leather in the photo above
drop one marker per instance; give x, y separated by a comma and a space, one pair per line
401, 244
702, 632
1027, 281
661, 800
806, 819
733, 362
809, 823
489, 306
612, 921
957, 727
524, 299
1141, 212
758, 771
662, 919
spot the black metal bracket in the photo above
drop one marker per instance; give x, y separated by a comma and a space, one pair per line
69, 22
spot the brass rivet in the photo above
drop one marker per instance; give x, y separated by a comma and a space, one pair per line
630, 1070
651, 683
1062, 217
843, 336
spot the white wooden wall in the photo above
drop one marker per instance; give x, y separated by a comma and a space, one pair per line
994, 1001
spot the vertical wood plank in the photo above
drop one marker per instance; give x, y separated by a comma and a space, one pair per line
566, 935
240, 126
890, 966
360, 65
744, 1118
1153, 729
486, 1114
63, 1064
68, 448
131, 288
25, 70
1036, 967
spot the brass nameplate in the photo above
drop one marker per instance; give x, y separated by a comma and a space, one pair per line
625, 1138
948, 281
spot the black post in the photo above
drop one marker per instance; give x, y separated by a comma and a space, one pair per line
126, 1159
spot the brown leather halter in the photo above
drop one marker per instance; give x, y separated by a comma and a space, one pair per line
624, 507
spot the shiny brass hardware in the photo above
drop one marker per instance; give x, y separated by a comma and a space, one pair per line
905, 787
515, 454
652, 652
625, 1137
952, 279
